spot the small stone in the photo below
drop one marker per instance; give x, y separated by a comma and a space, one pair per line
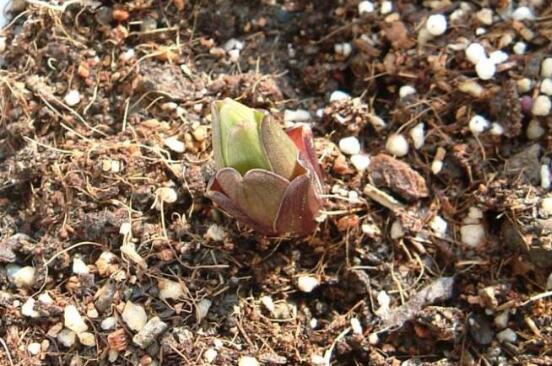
519, 48
397, 145
151, 330
522, 13
45, 298
215, 232
498, 57
174, 144
361, 162
67, 337
343, 49
112, 355
34, 348
234, 55
524, 85
167, 194
318, 360
472, 235
478, 124
438, 225
386, 7
546, 68
248, 361
365, 7
545, 176
472, 88
406, 90
202, 308
339, 95
209, 355
73, 320
356, 326
396, 231
72, 98
107, 264
27, 309
480, 329
268, 303
170, 289
436, 24
417, 134
485, 16
507, 336
307, 283
200, 133
501, 319
79, 267
475, 53
496, 129
541, 106
546, 86
549, 282
233, 44
21, 276
299, 115
87, 339
108, 323
104, 297
534, 130
546, 206
485, 69
373, 339
349, 145
2, 44
92, 313
134, 316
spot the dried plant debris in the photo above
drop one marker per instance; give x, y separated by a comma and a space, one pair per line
432, 239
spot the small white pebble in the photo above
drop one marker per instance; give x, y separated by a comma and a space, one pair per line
376, 121
472, 88
436, 166
108, 323
45, 298
343, 49
383, 299
167, 194
474, 215
349, 145
72, 98
360, 162
457, 15
501, 319
248, 361
356, 326
127, 55
417, 134
87, 339
234, 56
209, 355
472, 235
507, 336
215, 233
339, 95
475, 53
268, 303
397, 145
373, 338
541, 106
436, 24
313, 323
478, 124
546, 68
134, 316
307, 283
233, 44
175, 144
496, 129
546, 206
485, 69
170, 290
498, 57
386, 7
485, 16
546, 86
523, 13
365, 7
545, 176
438, 225
524, 85
34, 348
66, 337
519, 48
2, 44
396, 231
479, 31
203, 307
23, 277
73, 320
27, 309
79, 267
317, 360
299, 115
534, 130
406, 90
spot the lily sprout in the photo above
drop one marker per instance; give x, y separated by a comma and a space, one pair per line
266, 178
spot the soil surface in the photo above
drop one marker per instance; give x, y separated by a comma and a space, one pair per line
435, 243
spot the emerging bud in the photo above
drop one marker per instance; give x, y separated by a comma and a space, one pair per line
266, 178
